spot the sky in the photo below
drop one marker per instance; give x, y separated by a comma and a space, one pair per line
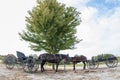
100, 27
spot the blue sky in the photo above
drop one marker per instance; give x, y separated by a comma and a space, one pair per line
104, 6
100, 27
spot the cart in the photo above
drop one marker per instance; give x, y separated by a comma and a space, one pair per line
28, 64
109, 59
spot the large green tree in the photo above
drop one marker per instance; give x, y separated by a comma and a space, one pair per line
51, 26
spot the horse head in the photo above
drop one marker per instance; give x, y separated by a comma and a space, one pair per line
66, 57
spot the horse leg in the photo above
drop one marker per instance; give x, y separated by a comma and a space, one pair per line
84, 65
42, 67
57, 66
74, 66
53, 66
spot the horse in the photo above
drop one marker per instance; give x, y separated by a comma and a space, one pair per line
78, 59
52, 58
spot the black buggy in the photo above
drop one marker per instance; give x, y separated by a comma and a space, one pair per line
28, 64
109, 59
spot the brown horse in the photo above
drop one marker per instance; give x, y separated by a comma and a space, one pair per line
78, 59
52, 58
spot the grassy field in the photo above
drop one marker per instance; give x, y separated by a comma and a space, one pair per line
118, 59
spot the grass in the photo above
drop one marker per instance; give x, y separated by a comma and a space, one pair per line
118, 59
1, 58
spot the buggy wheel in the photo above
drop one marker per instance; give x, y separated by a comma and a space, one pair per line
115, 63
92, 65
30, 68
9, 66
110, 63
20, 65
96, 64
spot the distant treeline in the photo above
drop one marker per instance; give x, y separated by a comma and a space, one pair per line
2, 57
119, 59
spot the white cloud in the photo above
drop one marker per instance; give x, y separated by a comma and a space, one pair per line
74, 3
12, 18
100, 34
88, 13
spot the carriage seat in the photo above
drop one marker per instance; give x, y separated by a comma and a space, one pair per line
21, 56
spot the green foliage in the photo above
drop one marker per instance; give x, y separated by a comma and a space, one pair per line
76, 55
51, 26
1, 57
118, 59
103, 56
34, 56
107, 55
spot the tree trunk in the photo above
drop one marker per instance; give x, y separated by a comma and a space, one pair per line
53, 66
74, 66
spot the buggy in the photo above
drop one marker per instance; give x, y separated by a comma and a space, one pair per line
109, 59
28, 64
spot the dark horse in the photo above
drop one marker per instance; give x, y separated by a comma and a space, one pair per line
52, 58
78, 59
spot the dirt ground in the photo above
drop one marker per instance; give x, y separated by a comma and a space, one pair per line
102, 73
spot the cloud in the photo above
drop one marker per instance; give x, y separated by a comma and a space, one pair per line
74, 3
101, 34
99, 30
12, 20
71, 2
